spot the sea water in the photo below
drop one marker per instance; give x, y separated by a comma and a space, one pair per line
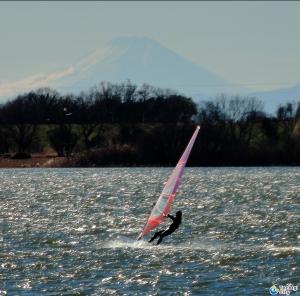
73, 231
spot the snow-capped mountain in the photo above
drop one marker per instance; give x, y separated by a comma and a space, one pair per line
143, 60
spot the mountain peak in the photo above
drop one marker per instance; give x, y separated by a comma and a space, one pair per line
135, 45
143, 60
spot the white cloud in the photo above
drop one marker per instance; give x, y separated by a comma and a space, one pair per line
32, 82
93, 58
10, 88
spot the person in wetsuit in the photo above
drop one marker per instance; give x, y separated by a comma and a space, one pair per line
170, 229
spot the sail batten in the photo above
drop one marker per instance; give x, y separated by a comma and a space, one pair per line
162, 207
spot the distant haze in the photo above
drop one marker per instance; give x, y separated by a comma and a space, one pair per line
250, 45
143, 60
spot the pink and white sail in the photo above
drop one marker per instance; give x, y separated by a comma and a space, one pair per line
163, 204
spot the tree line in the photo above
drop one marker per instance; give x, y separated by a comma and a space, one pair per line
123, 124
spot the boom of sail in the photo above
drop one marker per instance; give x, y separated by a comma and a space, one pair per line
162, 207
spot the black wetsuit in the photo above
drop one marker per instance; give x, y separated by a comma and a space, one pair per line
168, 231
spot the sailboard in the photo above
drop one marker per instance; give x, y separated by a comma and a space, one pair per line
162, 207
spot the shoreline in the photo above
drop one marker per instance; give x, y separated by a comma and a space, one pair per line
36, 161
53, 161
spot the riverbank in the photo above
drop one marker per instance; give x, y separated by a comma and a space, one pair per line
36, 160
51, 160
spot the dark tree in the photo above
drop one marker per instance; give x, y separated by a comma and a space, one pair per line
63, 140
5, 139
164, 143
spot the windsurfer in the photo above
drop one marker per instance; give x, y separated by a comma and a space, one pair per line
161, 234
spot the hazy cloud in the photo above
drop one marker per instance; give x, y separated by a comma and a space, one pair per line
32, 82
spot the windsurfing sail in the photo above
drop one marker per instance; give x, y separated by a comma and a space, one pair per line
162, 207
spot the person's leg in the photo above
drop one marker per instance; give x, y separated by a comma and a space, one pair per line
160, 239
162, 235
155, 236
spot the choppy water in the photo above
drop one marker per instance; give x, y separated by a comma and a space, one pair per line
72, 231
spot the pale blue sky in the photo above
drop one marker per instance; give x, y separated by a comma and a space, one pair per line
256, 44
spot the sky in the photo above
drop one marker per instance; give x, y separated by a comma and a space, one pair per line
255, 44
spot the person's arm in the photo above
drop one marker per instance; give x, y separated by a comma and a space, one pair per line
171, 217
